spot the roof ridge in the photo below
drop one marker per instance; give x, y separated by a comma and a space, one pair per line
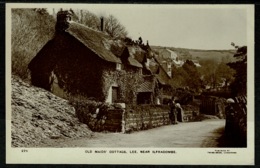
90, 28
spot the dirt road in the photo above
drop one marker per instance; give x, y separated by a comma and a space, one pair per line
192, 134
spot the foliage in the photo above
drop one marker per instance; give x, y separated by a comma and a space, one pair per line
186, 76
239, 86
91, 112
31, 29
214, 73
193, 79
208, 72
224, 72
179, 77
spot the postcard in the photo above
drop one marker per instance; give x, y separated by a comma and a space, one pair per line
149, 84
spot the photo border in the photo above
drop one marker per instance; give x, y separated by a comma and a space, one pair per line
42, 153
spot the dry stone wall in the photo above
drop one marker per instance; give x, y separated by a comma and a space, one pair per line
144, 117
117, 118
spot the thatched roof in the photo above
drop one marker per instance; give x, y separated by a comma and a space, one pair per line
137, 53
134, 62
96, 41
161, 80
148, 85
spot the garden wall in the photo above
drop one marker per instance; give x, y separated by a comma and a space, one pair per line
120, 118
142, 117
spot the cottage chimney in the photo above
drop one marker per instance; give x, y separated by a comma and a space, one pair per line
81, 16
101, 24
63, 18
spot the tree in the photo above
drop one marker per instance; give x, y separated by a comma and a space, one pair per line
239, 86
180, 77
208, 72
193, 81
186, 76
114, 28
89, 19
224, 72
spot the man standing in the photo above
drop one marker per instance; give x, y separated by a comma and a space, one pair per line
179, 112
173, 111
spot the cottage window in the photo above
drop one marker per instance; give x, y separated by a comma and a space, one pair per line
118, 66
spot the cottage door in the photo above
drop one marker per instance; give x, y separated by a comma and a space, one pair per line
114, 94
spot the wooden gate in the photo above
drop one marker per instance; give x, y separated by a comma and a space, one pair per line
208, 106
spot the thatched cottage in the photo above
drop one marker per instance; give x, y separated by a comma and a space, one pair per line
82, 61
79, 60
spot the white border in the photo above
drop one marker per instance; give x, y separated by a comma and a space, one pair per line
187, 156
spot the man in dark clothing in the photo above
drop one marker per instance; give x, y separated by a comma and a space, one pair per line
173, 111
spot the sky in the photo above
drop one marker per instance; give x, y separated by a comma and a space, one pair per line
196, 27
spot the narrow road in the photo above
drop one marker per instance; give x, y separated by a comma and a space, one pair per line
192, 134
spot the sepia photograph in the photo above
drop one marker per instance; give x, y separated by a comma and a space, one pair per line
130, 81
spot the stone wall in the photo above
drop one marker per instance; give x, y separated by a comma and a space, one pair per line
118, 118
142, 117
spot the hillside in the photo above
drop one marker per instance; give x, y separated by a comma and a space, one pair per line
202, 55
38, 116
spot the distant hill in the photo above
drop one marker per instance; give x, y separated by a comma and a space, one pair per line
201, 55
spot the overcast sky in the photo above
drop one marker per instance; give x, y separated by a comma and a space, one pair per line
197, 27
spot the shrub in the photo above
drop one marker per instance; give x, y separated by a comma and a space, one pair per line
91, 112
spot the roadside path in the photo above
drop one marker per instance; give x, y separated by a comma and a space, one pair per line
193, 134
